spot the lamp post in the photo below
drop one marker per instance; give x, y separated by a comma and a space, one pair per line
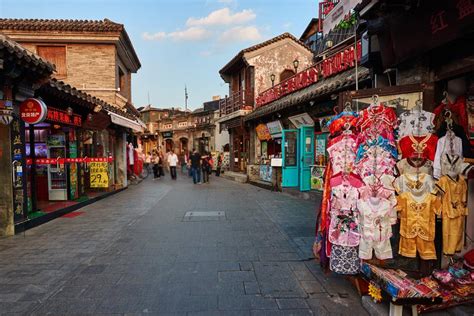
272, 78
296, 63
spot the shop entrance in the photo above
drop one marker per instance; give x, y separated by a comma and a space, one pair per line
169, 144
298, 156
183, 145
239, 153
289, 149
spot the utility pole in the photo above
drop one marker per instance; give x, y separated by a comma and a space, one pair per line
185, 99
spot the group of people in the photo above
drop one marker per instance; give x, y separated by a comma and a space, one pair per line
194, 164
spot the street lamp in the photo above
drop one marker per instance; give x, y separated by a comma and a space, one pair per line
296, 63
272, 78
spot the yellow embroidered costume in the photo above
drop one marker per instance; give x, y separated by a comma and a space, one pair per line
454, 210
417, 224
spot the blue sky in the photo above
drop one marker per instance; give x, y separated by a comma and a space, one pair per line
180, 42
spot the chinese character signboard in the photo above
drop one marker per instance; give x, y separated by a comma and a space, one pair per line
33, 111
18, 169
99, 174
59, 116
262, 132
338, 62
167, 134
436, 22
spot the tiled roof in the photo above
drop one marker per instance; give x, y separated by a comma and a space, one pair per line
81, 95
23, 54
260, 45
324, 87
60, 25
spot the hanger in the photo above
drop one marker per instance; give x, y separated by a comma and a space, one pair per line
445, 99
347, 129
418, 105
375, 101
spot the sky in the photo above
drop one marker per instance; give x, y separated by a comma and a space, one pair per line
180, 42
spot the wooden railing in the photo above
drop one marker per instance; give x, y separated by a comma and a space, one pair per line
239, 100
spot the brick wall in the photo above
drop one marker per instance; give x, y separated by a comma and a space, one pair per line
89, 67
275, 59
94, 66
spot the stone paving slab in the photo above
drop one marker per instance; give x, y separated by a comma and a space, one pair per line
133, 254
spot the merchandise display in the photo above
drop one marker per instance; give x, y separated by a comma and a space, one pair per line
395, 176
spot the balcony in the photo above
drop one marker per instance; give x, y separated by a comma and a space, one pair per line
239, 100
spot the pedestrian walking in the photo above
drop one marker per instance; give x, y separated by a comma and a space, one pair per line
205, 168
172, 163
148, 158
184, 163
219, 164
196, 166
156, 160
160, 165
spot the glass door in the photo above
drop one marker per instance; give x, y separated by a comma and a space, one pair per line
307, 156
289, 147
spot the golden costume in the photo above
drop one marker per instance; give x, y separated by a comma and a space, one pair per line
417, 224
454, 209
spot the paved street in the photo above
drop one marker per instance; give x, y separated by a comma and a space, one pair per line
136, 253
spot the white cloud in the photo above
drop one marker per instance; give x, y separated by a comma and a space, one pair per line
241, 34
189, 34
223, 17
154, 37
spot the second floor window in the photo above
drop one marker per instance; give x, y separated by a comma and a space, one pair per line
121, 75
55, 55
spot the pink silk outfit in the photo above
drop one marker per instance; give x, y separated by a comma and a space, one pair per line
344, 228
376, 148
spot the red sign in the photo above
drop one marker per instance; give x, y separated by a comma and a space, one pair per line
53, 161
329, 66
33, 111
60, 116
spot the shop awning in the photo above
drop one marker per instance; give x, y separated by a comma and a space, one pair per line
323, 87
125, 122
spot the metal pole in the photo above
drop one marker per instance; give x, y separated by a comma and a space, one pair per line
355, 57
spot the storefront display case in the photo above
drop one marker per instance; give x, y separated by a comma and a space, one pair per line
57, 176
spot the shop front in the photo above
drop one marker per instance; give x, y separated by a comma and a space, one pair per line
74, 152
397, 209
303, 104
20, 72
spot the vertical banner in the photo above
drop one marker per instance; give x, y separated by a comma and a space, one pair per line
18, 168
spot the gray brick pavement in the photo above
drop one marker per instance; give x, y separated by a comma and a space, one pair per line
133, 253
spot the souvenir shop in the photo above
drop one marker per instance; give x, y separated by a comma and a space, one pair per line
395, 216
74, 152
301, 106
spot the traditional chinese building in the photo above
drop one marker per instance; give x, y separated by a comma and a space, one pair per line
82, 49
174, 129
20, 71
252, 71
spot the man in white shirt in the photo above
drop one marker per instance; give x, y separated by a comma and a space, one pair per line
172, 163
